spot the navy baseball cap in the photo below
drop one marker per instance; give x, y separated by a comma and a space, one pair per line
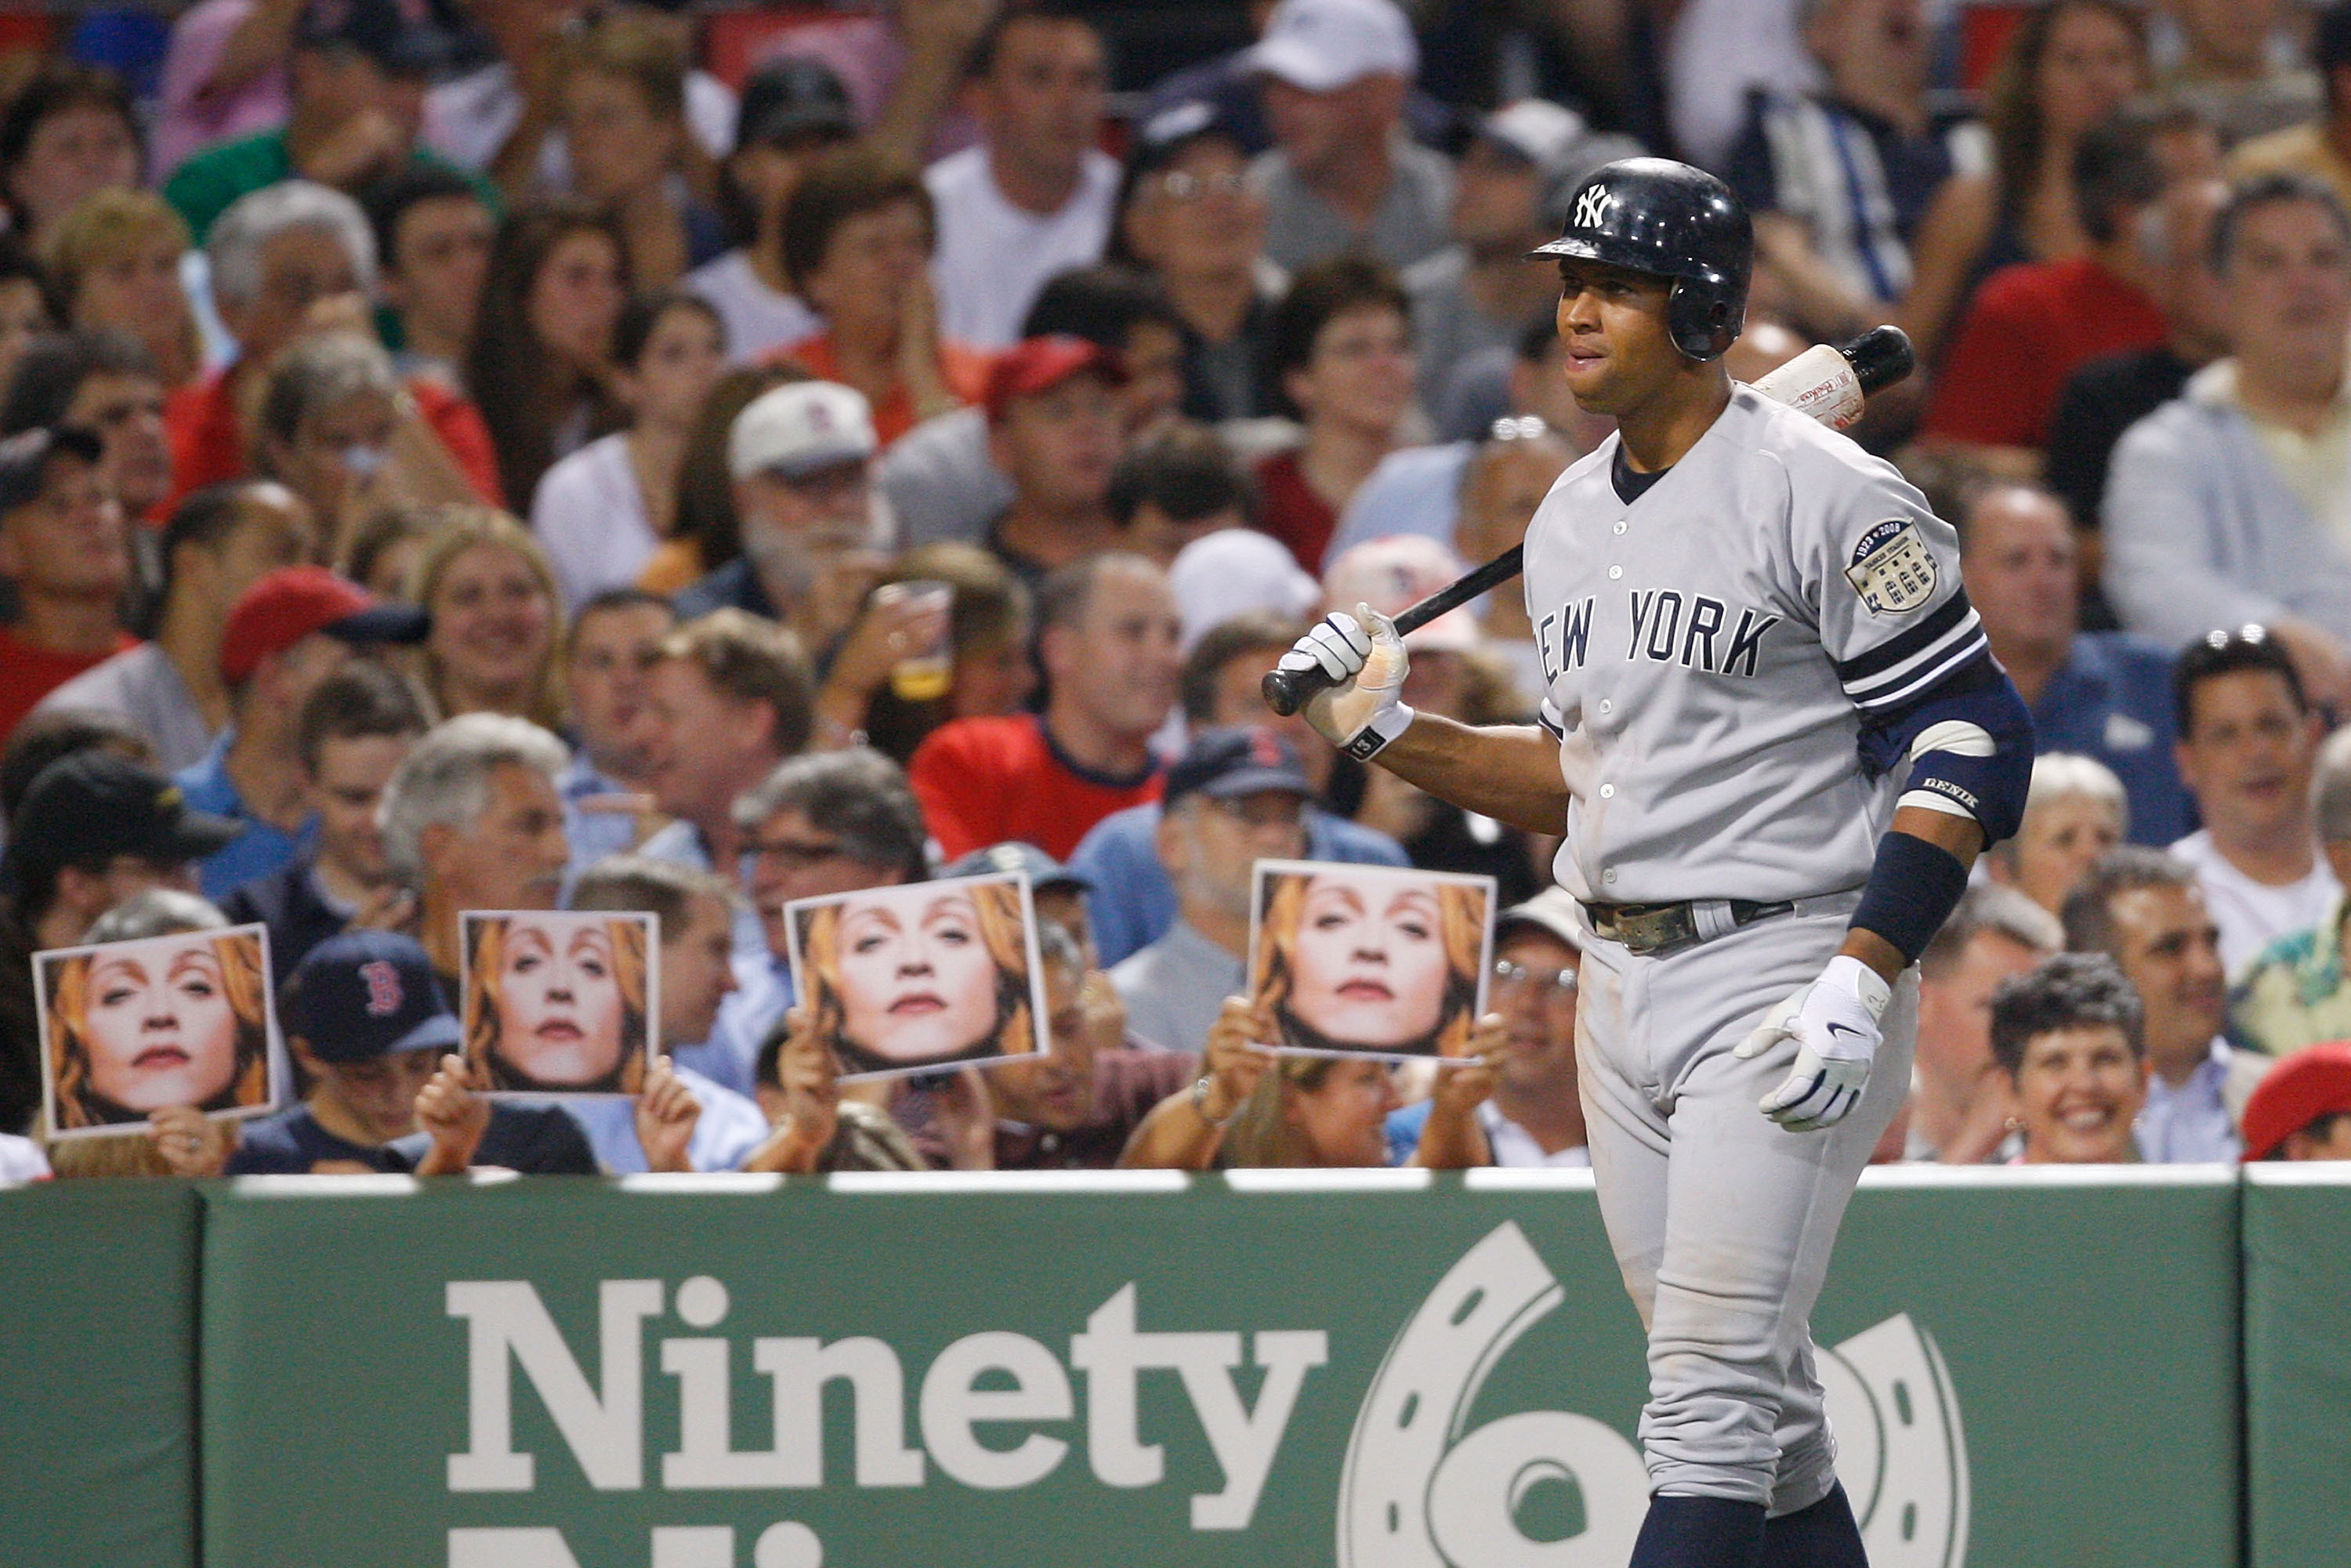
367, 994
402, 37
25, 460
94, 805
998, 860
792, 98
1238, 760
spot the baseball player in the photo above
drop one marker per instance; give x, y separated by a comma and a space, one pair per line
1775, 740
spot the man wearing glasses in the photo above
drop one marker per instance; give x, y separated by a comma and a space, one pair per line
1534, 1117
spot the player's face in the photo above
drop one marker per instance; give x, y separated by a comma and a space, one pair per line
2077, 1094
2249, 751
916, 980
1344, 1119
557, 994
1367, 966
1616, 354
159, 1025
2169, 948
1533, 988
2061, 838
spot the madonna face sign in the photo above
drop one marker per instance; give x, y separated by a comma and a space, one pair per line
917, 977
559, 1003
131, 1027
1370, 960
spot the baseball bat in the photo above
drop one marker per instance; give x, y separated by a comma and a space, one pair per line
1829, 382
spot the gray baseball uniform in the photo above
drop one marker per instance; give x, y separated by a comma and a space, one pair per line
1714, 650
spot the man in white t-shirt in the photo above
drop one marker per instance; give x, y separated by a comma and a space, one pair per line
2248, 749
1035, 197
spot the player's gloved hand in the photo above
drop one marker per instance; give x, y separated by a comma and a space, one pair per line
1365, 658
1834, 1022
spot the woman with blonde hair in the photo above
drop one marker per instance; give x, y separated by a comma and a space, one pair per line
907, 979
114, 262
556, 1003
169, 1020
1357, 958
497, 619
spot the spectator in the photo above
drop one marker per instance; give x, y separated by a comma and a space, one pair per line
2066, 67
367, 1062
1034, 197
1238, 571
287, 261
2067, 1034
695, 912
608, 664
387, 546
2293, 995
68, 132
858, 232
1189, 215
434, 230
2075, 812
104, 383
58, 733
1503, 483
1343, 355
1253, 1110
623, 90
115, 262
816, 1128
2313, 149
1988, 398
707, 535
2106, 396
794, 112
1235, 797
1508, 195
989, 627
1107, 644
1134, 902
1342, 176
801, 456
1960, 1110
496, 619
356, 76
93, 829
1535, 1116
1053, 429
471, 821
351, 736
2248, 744
2106, 695
1178, 486
728, 701
25, 312
541, 360
288, 632
1840, 178
603, 511
66, 554
2221, 507
2143, 909
2238, 66
2302, 1111
336, 427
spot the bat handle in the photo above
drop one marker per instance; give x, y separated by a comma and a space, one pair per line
1287, 691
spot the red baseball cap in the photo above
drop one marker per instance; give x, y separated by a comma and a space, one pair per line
295, 602
1040, 364
2301, 1089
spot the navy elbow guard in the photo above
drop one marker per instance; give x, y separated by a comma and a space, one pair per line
1970, 751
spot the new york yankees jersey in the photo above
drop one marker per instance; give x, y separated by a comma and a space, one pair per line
1715, 649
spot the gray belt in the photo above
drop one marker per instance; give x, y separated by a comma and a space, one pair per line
1647, 929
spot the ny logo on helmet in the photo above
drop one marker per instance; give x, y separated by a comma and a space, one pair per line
1588, 206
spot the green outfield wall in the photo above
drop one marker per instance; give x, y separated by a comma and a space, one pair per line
2138, 1369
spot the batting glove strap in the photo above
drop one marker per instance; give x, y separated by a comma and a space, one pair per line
1385, 727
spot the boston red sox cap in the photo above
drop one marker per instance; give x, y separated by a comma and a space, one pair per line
1043, 870
367, 994
1238, 760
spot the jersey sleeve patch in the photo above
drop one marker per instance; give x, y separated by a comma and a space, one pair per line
1892, 569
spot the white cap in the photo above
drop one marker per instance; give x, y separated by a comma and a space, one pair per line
800, 428
1536, 129
1322, 46
1233, 571
1394, 573
1553, 909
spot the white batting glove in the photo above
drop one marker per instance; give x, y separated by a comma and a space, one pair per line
1363, 655
1834, 1022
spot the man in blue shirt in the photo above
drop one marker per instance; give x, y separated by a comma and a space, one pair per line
287, 633
1133, 902
2106, 695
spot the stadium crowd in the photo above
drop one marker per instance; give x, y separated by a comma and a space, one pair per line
464, 455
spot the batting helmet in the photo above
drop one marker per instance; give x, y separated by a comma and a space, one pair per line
1655, 215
